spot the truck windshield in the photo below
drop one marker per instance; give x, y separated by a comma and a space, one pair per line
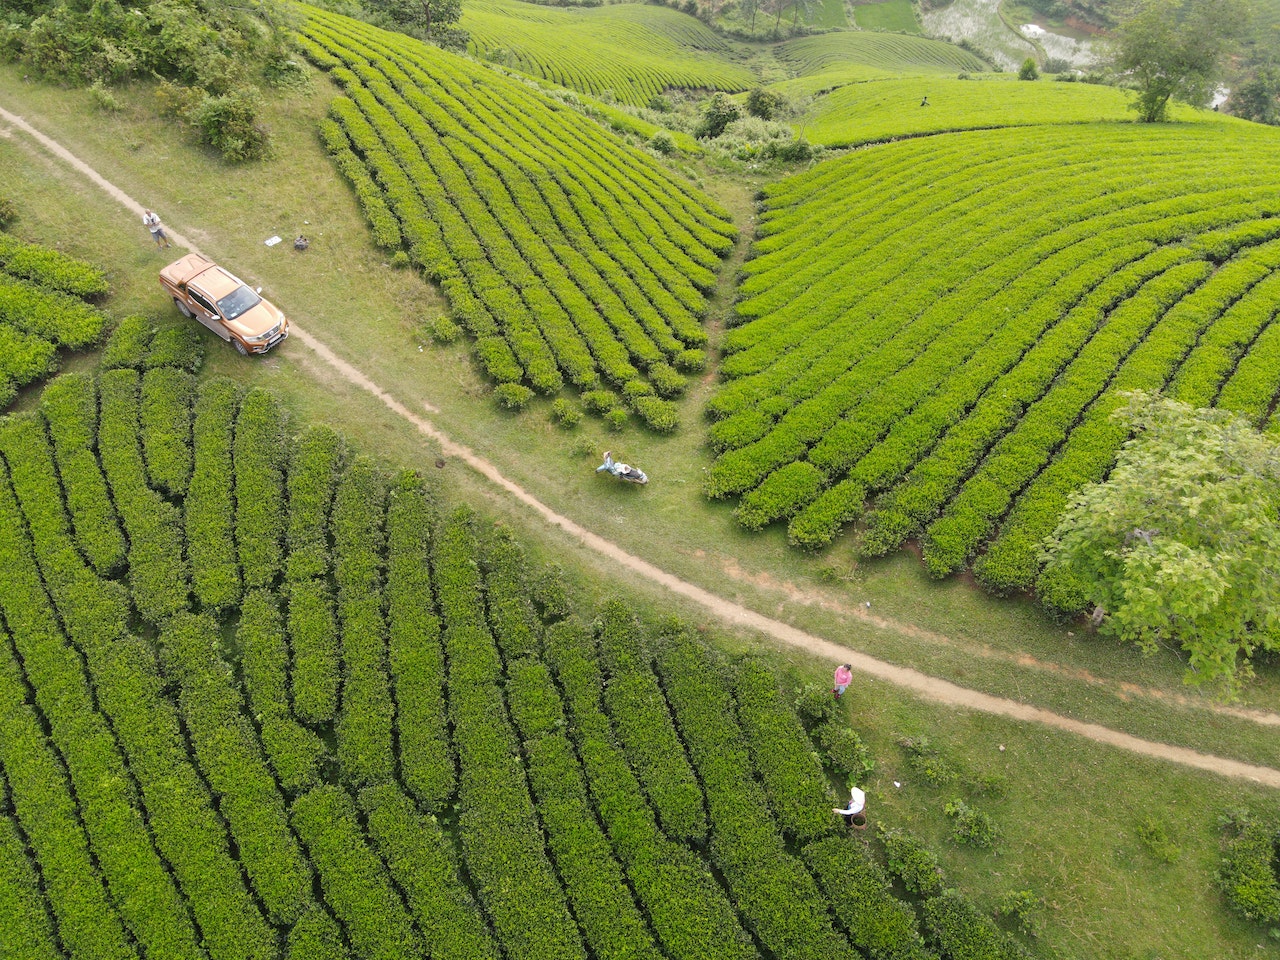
237, 302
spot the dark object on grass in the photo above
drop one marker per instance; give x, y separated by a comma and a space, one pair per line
301, 243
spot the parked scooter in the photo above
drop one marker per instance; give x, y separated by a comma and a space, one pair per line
622, 471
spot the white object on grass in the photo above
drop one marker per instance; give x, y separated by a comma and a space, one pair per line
271, 241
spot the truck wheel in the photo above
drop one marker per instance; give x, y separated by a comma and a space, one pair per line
183, 309
240, 347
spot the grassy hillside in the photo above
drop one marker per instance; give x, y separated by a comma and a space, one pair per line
962, 326
568, 255
891, 109
628, 51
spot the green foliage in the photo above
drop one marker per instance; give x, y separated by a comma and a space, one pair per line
815, 704
565, 412
1023, 909
1247, 875
512, 396
50, 268
49, 313
1258, 97
960, 931
927, 761
912, 862
1028, 70
1176, 545
259, 458
843, 751
969, 826
176, 346
426, 16
764, 103
718, 112
599, 402
8, 213
316, 936
1155, 840
231, 124
128, 343
210, 516
1175, 50
663, 143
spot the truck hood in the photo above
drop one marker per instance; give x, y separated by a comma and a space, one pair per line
257, 320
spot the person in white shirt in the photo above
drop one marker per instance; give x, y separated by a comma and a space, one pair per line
853, 814
151, 221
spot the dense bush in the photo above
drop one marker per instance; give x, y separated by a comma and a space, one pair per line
316, 936
22, 910
718, 112
416, 654
314, 465
50, 268
1248, 876
259, 457
176, 346
912, 862
970, 826
127, 346
210, 516
58, 317
70, 406
313, 641
960, 931
168, 396
232, 125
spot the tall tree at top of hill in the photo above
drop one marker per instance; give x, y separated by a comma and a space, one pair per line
1176, 50
430, 17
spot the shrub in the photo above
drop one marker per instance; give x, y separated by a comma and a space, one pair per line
565, 412
912, 862
1022, 908
815, 704
844, 751
443, 329
103, 99
961, 932
663, 143
660, 416
765, 104
176, 346
616, 418
718, 113
1247, 875
231, 125
971, 827
400, 260
512, 396
660, 103
8, 213
210, 516
926, 761
128, 343
599, 401
260, 454
167, 399
1155, 839
1028, 70
666, 381
690, 361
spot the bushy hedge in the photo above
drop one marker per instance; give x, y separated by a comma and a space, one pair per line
127, 684
127, 346
962, 932
782, 755
365, 751
313, 640
70, 405
229, 755
295, 752
1247, 876
355, 882
47, 810
148, 900
259, 457
158, 571
861, 897
509, 867
416, 654
210, 515
644, 725
315, 463
177, 346
50, 268
58, 317
24, 358
28, 932
512, 618
168, 396
745, 841
687, 908
316, 936
912, 862
422, 861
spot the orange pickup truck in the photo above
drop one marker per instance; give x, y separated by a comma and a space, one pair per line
224, 303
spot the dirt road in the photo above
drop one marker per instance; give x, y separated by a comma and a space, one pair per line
932, 688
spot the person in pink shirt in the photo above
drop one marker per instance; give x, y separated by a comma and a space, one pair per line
843, 677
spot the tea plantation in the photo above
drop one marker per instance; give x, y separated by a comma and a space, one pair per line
307, 713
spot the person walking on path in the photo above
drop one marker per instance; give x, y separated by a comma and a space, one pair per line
842, 679
853, 814
924, 102
151, 221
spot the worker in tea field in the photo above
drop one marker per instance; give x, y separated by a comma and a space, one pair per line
924, 102
842, 679
855, 813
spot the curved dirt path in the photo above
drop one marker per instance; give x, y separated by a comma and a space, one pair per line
932, 688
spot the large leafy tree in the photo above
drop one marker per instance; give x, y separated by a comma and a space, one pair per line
421, 15
1181, 544
1175, 50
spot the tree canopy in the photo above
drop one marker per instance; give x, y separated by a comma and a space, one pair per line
1176, 50
1181, 544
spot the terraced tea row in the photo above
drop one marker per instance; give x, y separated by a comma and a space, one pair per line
568, 255
893, 109
629, 52
188, 794
960, 329
826, 61
43, 306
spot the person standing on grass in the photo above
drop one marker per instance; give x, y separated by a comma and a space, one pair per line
151, 221
843, 677
854, 814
